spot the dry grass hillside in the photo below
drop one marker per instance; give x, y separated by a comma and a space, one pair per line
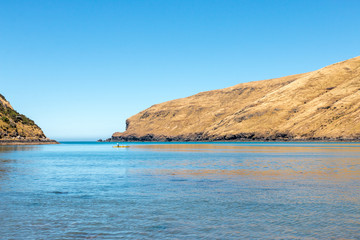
16, 127
319, 105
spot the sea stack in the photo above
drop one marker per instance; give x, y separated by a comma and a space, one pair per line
319, 105
16, 128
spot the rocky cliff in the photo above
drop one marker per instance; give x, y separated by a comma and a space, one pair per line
16, 128
319, 105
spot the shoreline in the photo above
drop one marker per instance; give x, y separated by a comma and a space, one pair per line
27, 142
243, 141
231, 138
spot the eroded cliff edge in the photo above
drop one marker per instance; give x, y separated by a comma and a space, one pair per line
16, 128
319, 105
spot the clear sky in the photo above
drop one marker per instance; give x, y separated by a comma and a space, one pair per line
80, 68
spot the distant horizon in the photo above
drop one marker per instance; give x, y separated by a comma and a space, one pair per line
80, 69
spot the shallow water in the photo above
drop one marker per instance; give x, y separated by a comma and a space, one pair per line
180, 191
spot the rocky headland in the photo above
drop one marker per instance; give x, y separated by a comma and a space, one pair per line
17, 129
322, 105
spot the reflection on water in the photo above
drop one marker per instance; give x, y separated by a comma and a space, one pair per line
5, 168
284, 160
180, 191
259, 147
6, 165
10, 148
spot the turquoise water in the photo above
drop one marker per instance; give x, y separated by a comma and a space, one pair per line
180, 191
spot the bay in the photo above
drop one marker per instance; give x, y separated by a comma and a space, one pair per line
86, 190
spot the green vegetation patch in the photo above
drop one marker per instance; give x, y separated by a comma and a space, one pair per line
15, 116
5, 119
2, 108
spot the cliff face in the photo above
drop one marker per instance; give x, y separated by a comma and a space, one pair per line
17, 128
319, 105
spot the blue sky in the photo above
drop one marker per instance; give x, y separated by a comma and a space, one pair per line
81, 68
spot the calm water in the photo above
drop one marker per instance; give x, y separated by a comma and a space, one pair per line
180, 191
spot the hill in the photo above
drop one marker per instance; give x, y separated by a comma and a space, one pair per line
318, 105
16, 128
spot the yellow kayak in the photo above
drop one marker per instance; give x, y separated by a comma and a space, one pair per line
121, 146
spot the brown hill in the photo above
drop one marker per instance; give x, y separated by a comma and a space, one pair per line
319, 105
16, 128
